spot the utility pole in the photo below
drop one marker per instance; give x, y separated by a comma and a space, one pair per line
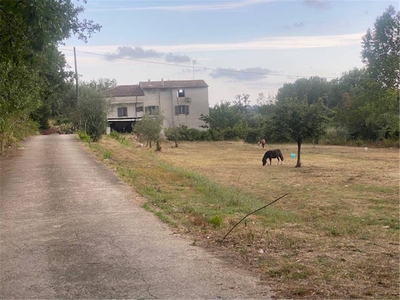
76, 78
194, 62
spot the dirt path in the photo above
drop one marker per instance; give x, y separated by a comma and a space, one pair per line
71, 229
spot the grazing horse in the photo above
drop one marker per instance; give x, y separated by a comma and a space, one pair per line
262, 143
270, 154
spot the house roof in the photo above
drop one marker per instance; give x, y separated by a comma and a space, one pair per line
126, 91
172, 84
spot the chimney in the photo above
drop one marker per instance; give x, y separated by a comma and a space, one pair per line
148, 80
162, 81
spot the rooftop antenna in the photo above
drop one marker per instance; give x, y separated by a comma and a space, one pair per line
194, 62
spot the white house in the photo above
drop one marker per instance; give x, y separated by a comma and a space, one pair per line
180, 101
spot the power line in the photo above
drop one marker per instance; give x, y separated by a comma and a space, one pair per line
112, 56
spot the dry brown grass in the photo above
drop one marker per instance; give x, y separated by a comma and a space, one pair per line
339, 232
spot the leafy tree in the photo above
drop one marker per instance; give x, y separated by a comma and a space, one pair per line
150, 127
300, 118
91, 114
102, 84
381, 49
311, 89
241, 105
371, 112
31, 67
226, 120
338, 88
366, 100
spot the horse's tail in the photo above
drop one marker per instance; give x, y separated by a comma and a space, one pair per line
280, 154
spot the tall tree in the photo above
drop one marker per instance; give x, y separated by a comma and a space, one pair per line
300, 118
31, 67
312, 89
381, 49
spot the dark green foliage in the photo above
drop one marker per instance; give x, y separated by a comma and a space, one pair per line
381, 49
32, 74
299, 117
92, 111
184, 133
150, 127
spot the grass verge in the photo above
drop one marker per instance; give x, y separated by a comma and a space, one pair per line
335, 236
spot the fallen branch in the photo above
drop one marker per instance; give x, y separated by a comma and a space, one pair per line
251, 214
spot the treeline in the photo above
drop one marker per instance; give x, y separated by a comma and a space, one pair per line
33, 74
35, 86
360, 106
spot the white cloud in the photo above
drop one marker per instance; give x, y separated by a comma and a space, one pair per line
177, 58
271, 43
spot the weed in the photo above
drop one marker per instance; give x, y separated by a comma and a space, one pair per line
215, 221
244, 250
333, 231
84, 136
107, 155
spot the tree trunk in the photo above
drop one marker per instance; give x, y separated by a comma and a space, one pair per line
298, 165
158, 146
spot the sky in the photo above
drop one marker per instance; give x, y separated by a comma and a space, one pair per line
236, 46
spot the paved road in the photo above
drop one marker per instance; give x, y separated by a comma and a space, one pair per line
71, 229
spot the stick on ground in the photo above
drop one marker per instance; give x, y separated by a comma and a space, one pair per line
253, 213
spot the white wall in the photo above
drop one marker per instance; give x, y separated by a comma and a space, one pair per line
166, 100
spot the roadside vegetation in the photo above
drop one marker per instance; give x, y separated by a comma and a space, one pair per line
361, 106
336, 235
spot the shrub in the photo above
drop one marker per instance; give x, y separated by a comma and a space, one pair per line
215, 221
84, 136
107, 155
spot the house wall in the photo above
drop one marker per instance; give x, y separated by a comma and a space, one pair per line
197, 106
166, 100
129, 102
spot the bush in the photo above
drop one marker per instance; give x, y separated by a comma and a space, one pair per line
335, 136
215, 221
254, 135
184, 133
84, 136
92, 112
115, 135
14, 130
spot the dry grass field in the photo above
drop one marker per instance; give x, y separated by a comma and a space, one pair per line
335, 235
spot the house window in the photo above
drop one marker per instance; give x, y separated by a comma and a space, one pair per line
139, 109
122, 112
181, 110
151, 110
181, 93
